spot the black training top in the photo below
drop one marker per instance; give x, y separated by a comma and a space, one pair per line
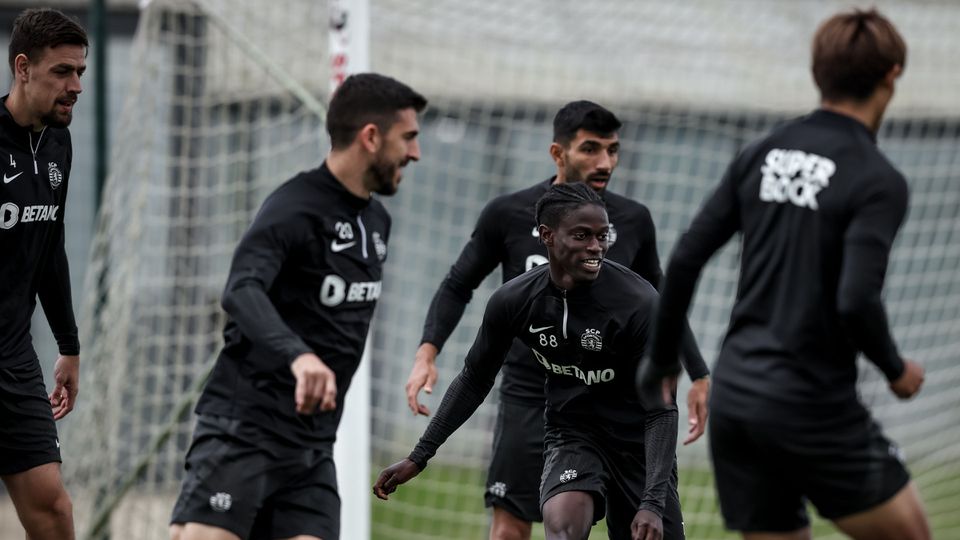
304, 278
33, 196
506, 233
588, 341
818, 206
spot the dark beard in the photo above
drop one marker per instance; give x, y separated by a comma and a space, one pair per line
383, 173
52, 120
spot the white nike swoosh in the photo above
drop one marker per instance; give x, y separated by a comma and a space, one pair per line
8, 179
337, 248
535, 330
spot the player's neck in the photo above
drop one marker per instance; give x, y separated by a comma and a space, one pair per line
17, 105
349, 171
868, 112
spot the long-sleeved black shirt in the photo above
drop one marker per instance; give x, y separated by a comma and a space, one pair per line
304, 278
818, 206
506, 233
33, 196
588, 341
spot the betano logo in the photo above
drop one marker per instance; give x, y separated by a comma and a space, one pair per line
10, 214
334, 291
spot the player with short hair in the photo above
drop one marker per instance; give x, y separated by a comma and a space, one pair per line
818, 207
300, 296
585, 321
585, 148
47, 56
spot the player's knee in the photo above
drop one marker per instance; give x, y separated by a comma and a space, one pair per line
57, 506
565, 527
510, 531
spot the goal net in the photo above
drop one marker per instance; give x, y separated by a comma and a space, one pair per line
225, 105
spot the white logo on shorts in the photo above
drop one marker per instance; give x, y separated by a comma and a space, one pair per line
897, 452
221, 502
498, 489
568, 475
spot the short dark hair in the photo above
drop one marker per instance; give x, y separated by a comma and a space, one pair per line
367, 98
853, 52
36, 29
585, 115
561, 199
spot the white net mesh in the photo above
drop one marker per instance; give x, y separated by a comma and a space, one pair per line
210, 128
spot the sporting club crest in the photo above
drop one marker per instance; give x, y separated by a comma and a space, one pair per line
591, 340
56, 177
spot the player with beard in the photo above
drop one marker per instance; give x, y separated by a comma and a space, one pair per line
818, 207
47, 57
584, 321
300, 296
585, 148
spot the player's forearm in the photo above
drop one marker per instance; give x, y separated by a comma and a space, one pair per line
445, 312
671, 317
860, 305
57, 301
250, 307
660, 442
866, 321
461, 400
690, 355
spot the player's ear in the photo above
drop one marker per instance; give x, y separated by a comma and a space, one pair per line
546, 235
21, 66
556, 152
369, 137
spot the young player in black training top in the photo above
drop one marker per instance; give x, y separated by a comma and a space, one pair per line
301, 292
818, 207
47, 58
585, 321
586, 149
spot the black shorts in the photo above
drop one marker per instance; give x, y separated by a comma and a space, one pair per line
513, 480
615, 476
765, 474
28, 434
242, 479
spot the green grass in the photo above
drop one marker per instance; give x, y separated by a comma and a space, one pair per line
446, 502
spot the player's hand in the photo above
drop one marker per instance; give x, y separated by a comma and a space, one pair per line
66, 376
646, 526
909, 382
316, 384
697, 409
423, 376
394, 475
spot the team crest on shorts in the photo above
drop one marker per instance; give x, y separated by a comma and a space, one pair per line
498, 489
56, 177
221, 502
568, 475
591, 341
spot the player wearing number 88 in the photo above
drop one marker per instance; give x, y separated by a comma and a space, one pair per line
585, 148
585, 320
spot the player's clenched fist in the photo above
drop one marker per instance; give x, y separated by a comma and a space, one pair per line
393, 476
909, 382
316, 384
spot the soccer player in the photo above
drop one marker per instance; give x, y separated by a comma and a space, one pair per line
585, 148
585, 321
818, 207
47, 56
300, 295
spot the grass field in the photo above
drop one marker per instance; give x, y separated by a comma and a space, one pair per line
446, 502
